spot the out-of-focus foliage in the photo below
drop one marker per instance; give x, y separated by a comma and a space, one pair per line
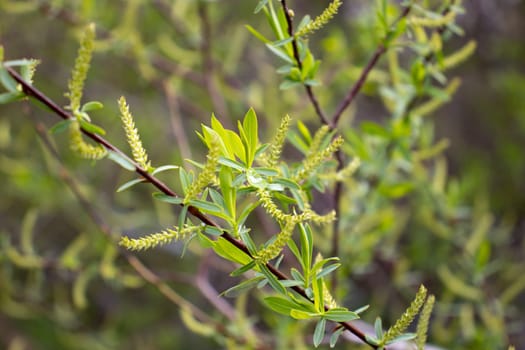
403, 221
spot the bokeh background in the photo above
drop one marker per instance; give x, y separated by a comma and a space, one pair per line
153, 55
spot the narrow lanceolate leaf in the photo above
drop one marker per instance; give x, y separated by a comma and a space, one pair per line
319, 332
272, 280
129, 184
242, 287
168, 199
260, 5
121, 160
61, 126
7, 81
163, 168
340, 315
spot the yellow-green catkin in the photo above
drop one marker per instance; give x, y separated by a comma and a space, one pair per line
436, 102
321, 20
422, 325
80, 147
270, 207
433, 22
276, 146
158, 239
314, 160
459, 56
132, 135
408, 316
329, 300
274, 249
81, 68
207, 175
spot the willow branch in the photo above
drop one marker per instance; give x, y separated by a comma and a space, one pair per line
31, 91
356, 88
309, 90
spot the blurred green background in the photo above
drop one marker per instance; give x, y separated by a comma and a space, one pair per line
152, 55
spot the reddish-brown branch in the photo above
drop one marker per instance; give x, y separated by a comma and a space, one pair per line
356, 88
308, 88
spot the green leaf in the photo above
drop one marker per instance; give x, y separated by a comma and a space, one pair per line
335, 336
288, 84
280, 305
7, 81
318, 290
266, 171
378, 328
320, 264
21, 62
396, 190
163, 168
280, 53
185, 179
260, 5
371, 340
362, 309
282, 42
307, 246
121, 160
91, 106
319, 332
250, 244
256, 34
303, 315
272, 280
251, 130
286, 183
61, 126
243, 269
327, 270
9, 97
92, 128
242, 287
231, 163
168, 199
129, 184
208, 207
340, 315
230, 252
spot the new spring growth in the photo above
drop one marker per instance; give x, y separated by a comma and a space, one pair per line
408, 316
207, 175
316, 159
433, 22
422, 325
80, 147
76, 86
158, 239
81, 68
276, 146
274, 249
321, 20
132, 135
329, 300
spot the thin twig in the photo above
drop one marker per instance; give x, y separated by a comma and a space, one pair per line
309, 90
356, 88
31, 91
